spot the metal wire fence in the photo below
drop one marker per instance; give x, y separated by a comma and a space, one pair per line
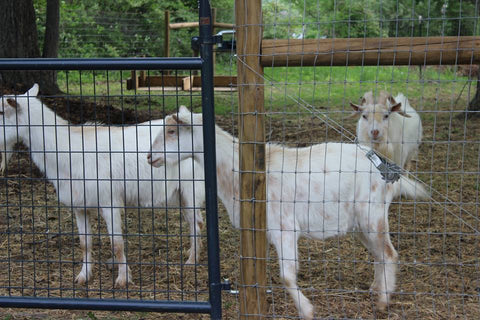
83, 156
420, 250
313, 66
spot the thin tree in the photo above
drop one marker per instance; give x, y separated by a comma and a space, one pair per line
50, 44
474, 105
19, 39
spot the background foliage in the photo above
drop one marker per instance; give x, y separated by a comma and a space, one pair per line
122, 28
126, 28
111, 28
369, 18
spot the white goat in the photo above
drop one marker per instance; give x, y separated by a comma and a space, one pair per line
102, 168
390, 126
318, 192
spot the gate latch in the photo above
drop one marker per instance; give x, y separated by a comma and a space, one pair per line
195, 44
225, 40
223, 44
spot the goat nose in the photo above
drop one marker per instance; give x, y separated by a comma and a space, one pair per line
375, 132
149, 156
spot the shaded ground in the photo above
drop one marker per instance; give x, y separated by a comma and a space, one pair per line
439, 268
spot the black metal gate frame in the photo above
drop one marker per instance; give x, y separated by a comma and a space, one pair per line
205, 64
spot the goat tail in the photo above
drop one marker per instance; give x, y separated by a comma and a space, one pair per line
411, 189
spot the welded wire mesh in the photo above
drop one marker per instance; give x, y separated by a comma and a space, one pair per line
81, 156
437, 239
308, 103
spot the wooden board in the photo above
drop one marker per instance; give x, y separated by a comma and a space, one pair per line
180, 81
194, 89
371, 51
180, 25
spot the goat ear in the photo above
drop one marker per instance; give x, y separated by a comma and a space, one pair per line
391, 100
181, 118
175, 118
12, 102
33, 92
185, 116
356, 107
397, 108
183, 109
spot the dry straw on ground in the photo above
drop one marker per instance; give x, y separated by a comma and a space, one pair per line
438, 277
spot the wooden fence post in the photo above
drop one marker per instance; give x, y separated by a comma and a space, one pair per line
166, 43
214, 21
248, 17
166, 39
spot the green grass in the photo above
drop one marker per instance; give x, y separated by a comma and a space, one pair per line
337, 86
323, 87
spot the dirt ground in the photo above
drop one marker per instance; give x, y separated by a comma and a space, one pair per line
438, 242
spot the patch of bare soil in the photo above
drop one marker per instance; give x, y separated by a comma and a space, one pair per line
78, 111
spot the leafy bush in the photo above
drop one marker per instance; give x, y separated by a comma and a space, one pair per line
109, 28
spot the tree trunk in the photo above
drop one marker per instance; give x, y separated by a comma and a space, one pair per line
474, 105
50, 45
18, 39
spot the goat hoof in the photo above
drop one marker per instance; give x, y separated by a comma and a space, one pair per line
375, 287
81, 279
192, 257
381, 305
122, 280
307, 312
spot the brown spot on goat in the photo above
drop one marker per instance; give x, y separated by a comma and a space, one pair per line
381, 229
118, 248
388, 249
389, 188
13, 103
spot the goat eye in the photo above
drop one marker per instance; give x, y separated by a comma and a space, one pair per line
364, 117
385, 116
171, 131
